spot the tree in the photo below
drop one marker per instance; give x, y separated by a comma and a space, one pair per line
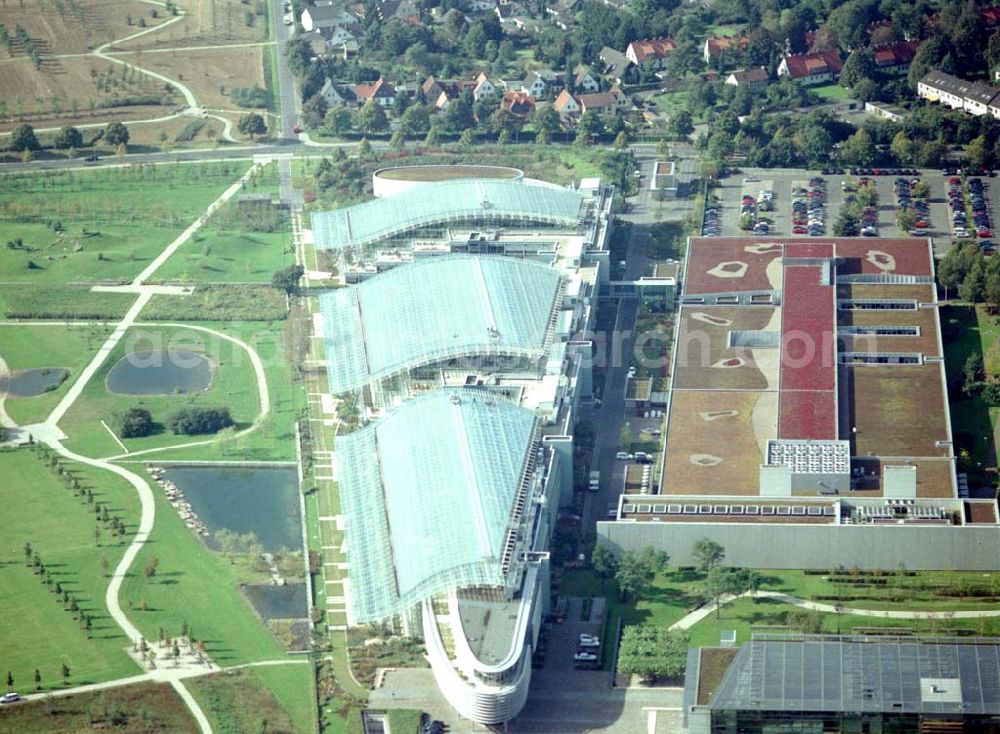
65, 673
721, 581
977, 152
251, 124
604, 563
135, 422
23, 138
859, 149
371, 118
364, 148
859, 65
199, 420
708, 553
10, 681
116, 134
314, 111
681, 125
545, 121
637, 569
104, 566
653, 652
906, 219
465, 139
338, 121
458, 116
903, 148
68, 137
288, 279
416, 120
150, 570
625, 437
38, 680
397, 141
972, 373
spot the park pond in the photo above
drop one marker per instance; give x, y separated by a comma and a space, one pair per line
30, 383
278, 602
243, 499
161, 372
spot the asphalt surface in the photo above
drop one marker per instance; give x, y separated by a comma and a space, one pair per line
287, 96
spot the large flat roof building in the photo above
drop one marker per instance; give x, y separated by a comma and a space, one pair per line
848, 683
807, 418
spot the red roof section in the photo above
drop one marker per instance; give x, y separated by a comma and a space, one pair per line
807, 415
896, 54
809, 249
518, 103
381, 88
656, 48
808, 331
818, 62
718, 44
903, 256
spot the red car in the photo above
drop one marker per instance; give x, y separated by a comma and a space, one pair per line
296, 129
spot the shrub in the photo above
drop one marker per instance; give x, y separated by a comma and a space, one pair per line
250, 97
189, 131
196, 421
135, 423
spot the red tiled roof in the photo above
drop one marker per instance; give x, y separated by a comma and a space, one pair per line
818, 62
657, 48
896, 54
381, 88
990, 16
718, 44
517, 103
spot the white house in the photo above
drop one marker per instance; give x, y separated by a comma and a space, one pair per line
334, 96
584, 81
484, 89
320, 17
566, 105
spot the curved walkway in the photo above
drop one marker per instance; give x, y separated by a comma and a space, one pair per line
700, 613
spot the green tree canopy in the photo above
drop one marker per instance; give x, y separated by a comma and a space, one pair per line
371, 118
116, 133
23, 138
708, 554
636, 570
252, 124
68, 137
653, 652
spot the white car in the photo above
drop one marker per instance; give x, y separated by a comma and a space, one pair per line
589, 641
585, 657
10, 698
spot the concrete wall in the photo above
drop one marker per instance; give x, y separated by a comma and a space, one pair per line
971, 547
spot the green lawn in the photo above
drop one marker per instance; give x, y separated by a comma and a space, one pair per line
25, 346
234, 386
724, 30
218, 256
971, 330
38, 509
143, 707
274, 437
670, 103
195, 585
264, 699
832, 93
114, 220
62, 302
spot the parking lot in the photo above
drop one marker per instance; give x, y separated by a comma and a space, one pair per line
731, 190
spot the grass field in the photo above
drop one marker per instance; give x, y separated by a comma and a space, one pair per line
969, 331
206, 23
221, 302
234, 386
265, 699
197, 586
38, 509
208, 73
27, 347
145, 707
229, 257
676, 592
62, 302
670, 103
114, 220
832, 93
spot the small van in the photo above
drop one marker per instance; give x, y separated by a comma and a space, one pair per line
623, 456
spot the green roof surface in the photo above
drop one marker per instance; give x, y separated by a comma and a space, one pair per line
478, 202
438, 308
427, 495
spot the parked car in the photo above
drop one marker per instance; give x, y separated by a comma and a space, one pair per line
585, 657
11, 697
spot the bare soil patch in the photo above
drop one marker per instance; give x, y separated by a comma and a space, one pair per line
206, 23
80, 26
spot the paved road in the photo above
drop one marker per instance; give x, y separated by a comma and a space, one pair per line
285, 82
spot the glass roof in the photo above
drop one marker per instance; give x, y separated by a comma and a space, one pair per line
434, 309
474, 201
427, 495
863, 674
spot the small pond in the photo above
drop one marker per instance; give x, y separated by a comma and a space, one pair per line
264, 501
29, 383
278, 602
162, 372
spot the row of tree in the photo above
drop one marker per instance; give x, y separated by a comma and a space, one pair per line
23, 137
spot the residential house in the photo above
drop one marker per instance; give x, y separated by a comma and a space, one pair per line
381, 91
519, 104
512, 16
756, 80
990, 17
584, 81
541, 82
403, 10
566, 105
603, 104
650, 53
561, 12
819, 67
716, 45
484, 88
474, 7
321, 16
335, 96
895, 58
615, 63
975, 98
431, 89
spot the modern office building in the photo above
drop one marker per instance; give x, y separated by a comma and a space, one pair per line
807, 421
468, 356
827, 683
